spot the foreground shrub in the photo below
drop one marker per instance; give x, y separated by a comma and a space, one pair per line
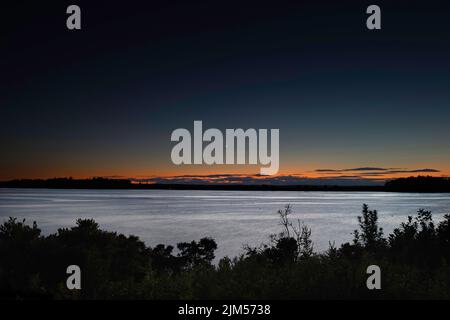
413, 259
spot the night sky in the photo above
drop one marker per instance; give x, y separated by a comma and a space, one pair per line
350, 103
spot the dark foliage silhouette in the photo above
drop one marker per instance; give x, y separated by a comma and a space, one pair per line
413, 259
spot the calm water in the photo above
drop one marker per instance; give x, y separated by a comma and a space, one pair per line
233, 218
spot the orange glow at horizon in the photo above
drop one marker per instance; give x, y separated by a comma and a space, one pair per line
204, 171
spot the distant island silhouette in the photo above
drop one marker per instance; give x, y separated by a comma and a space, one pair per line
421, 184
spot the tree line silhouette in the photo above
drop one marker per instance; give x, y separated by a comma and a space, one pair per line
411, 184
413, 258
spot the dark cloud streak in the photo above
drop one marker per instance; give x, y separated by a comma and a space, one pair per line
376, 170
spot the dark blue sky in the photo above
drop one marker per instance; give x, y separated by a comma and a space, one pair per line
104, 100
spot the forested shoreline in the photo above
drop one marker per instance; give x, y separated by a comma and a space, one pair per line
422, 184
